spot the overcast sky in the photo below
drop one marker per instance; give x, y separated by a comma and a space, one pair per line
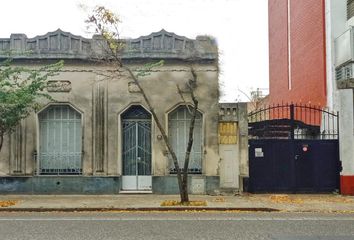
240, 27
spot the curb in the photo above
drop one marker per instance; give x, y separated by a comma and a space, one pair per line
148, 209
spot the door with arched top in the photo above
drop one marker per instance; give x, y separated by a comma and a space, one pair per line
136, 149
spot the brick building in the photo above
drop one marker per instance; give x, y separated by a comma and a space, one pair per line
311, 56
297, 52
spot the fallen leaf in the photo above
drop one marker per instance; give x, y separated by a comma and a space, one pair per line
171, 203
7, 203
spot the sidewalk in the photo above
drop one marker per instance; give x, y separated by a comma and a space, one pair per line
152, 202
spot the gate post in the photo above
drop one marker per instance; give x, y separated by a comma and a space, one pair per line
292, 119
233, 147
292, 153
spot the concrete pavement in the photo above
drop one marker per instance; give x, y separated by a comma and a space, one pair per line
152, 202
208, 225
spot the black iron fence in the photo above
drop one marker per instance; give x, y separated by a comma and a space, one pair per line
293, 121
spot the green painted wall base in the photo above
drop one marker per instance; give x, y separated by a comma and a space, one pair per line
198, 184
169, 185
59, 185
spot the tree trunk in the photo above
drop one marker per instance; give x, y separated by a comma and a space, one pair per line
189, 149
182, 177
1, 139
102, 18
183, 194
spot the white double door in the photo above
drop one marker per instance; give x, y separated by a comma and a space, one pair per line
136, 155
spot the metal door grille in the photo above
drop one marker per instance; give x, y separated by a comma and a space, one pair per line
136, 142
60, 141
179, 121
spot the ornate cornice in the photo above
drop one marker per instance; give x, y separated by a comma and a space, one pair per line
64, 45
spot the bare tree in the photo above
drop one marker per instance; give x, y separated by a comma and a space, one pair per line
256, 98
105, 23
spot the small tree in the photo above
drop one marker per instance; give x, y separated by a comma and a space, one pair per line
20, 90
105, 23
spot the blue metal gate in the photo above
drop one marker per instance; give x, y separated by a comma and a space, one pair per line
293, 148
278, 165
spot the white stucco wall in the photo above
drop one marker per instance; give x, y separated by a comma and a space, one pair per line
340, 99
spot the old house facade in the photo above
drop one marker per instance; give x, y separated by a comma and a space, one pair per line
98, 136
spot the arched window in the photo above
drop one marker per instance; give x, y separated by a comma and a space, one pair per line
178, 129
60, 141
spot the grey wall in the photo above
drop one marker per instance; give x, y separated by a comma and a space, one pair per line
107, 97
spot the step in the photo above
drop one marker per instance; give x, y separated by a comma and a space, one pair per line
135, 192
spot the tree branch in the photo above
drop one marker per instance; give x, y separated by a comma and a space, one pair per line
104, 20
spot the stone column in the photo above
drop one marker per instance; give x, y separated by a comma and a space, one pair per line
233, 146
18, 149
346, 140
99, 127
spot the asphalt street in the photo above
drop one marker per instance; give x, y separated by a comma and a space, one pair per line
176, 225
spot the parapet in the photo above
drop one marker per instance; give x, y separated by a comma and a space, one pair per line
65, 45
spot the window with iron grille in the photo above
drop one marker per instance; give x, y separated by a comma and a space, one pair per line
59, 141
178, 129
350, 9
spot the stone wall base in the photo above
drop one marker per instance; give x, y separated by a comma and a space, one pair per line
59, 185
198, 184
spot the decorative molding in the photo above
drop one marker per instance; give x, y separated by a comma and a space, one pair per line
64, 45
133, 88
51, 45
59, 86
18, 149
161, 41
228, 112
99, 127
345, 84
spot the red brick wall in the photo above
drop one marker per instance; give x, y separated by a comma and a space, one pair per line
307, 34
278, 50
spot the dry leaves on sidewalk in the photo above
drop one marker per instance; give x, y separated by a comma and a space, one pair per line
7, 203
173, 203
332, 199
285, 199
219, 199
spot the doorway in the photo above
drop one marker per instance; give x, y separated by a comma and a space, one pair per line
136, 149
